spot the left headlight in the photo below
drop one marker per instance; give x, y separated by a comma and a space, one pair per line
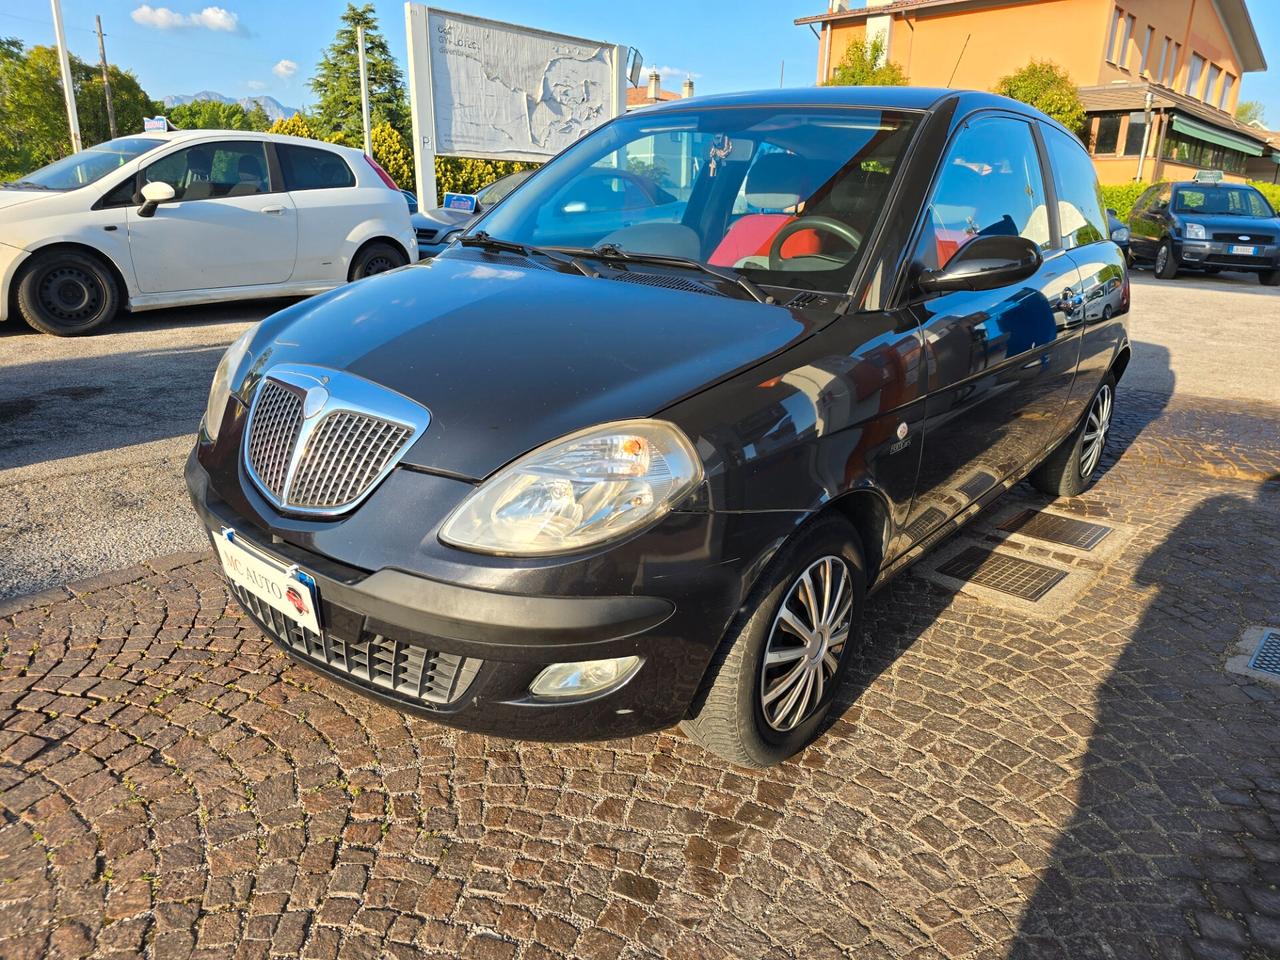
579, 491
1120, 235
1196, 231
220, 389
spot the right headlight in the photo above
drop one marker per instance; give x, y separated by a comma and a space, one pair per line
1196, 231
220, 389
579, 491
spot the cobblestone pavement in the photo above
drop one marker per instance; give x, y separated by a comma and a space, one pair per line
998, 784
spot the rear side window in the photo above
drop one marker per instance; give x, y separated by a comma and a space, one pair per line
306, 168
991, 185
1080, 206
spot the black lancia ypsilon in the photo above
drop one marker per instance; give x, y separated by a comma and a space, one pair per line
633, 451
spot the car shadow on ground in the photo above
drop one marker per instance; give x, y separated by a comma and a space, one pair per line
1173, 842
1198, 280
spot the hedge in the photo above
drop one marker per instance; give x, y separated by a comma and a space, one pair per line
1122, 196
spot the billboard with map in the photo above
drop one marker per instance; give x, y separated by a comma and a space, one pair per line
482, 88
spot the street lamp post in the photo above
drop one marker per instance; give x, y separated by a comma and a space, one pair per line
68, 90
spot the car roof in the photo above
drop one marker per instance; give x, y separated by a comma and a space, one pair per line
173, 136
886, 98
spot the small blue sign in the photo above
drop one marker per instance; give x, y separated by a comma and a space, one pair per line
460, 201
155, 123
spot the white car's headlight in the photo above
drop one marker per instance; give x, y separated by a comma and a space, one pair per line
586, 488
220, 389
1196, 231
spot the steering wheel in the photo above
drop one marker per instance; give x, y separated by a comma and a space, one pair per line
841, 230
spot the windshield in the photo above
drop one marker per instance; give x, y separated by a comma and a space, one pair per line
786, 195
89, 166
1225, 201
500, 188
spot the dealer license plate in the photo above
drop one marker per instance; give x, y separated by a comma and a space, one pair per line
282, 587
1238, 251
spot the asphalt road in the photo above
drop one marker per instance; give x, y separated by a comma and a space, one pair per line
94, 430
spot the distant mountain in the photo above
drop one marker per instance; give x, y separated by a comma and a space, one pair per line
274, 108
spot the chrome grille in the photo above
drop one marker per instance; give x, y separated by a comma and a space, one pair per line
345, 452
318, 441
409, 670
277, 421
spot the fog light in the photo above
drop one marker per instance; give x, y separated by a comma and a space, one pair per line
583, 678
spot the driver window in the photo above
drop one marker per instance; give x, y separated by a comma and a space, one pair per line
991, 185
213, 170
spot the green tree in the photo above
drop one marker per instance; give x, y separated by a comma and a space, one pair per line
1251, 111
33, 117
1047, 87
212, 115
866, 65
295, 126
337, 81
392, 154
258, 119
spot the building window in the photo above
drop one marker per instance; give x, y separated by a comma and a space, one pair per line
1211, 85
1194, 73
1133, 139
1116, 17
1228, 83
1146, 50
1164, 59
1173, 66
1107, 138
1197, 153
1122, 55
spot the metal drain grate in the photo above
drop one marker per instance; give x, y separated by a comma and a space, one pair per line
997, 571
976, 485
1267, 657
1065, 530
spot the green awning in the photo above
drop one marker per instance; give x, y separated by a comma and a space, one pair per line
1221, 138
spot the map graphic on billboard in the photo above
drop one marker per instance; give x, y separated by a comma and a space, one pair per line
504, 91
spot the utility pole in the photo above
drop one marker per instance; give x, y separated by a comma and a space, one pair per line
364, 91
68, 90
106, 79
782, 74
1146, 135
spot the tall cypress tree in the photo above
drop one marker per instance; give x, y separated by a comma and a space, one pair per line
337, 81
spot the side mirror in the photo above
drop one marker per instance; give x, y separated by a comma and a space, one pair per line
153, 194
984, 263
1112, 211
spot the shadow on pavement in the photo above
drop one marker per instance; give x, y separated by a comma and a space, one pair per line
1174, 846
1213, 282
201, 315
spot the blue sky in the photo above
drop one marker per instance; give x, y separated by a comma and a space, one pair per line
242, 48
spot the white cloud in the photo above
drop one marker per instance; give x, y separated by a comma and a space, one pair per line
285, 69
678, 73
255, 85
218, 19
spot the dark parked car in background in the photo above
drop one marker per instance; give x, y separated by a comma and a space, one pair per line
647, 474
1206, 224
437, 227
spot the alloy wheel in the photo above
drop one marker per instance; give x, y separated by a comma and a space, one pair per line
1095, 431
70, 294
1162, 259
805, 643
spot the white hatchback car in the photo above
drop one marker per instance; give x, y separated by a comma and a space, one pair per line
198, 216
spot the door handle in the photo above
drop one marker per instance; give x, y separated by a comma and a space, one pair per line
273, 210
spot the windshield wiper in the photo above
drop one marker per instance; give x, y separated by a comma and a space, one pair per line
493, 244
611, 251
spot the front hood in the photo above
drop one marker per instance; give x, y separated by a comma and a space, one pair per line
508, 356
441, 218
15, 196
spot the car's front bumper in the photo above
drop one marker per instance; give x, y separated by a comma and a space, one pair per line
11, 259
1213, 253
667, 597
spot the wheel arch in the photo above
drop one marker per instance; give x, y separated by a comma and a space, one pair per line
1121, 362
869, 513
377, 238
56, 246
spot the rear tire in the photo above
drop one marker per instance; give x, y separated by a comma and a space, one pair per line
375, 258
1069, 470
1270, 278
1166, 267
67, 293
741, 713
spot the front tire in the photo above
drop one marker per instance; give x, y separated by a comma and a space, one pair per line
1270, 278
1166, 267
67, 293
1069, 470
770, 686
375, 258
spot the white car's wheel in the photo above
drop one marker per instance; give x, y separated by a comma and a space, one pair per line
67, 293
376, 258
